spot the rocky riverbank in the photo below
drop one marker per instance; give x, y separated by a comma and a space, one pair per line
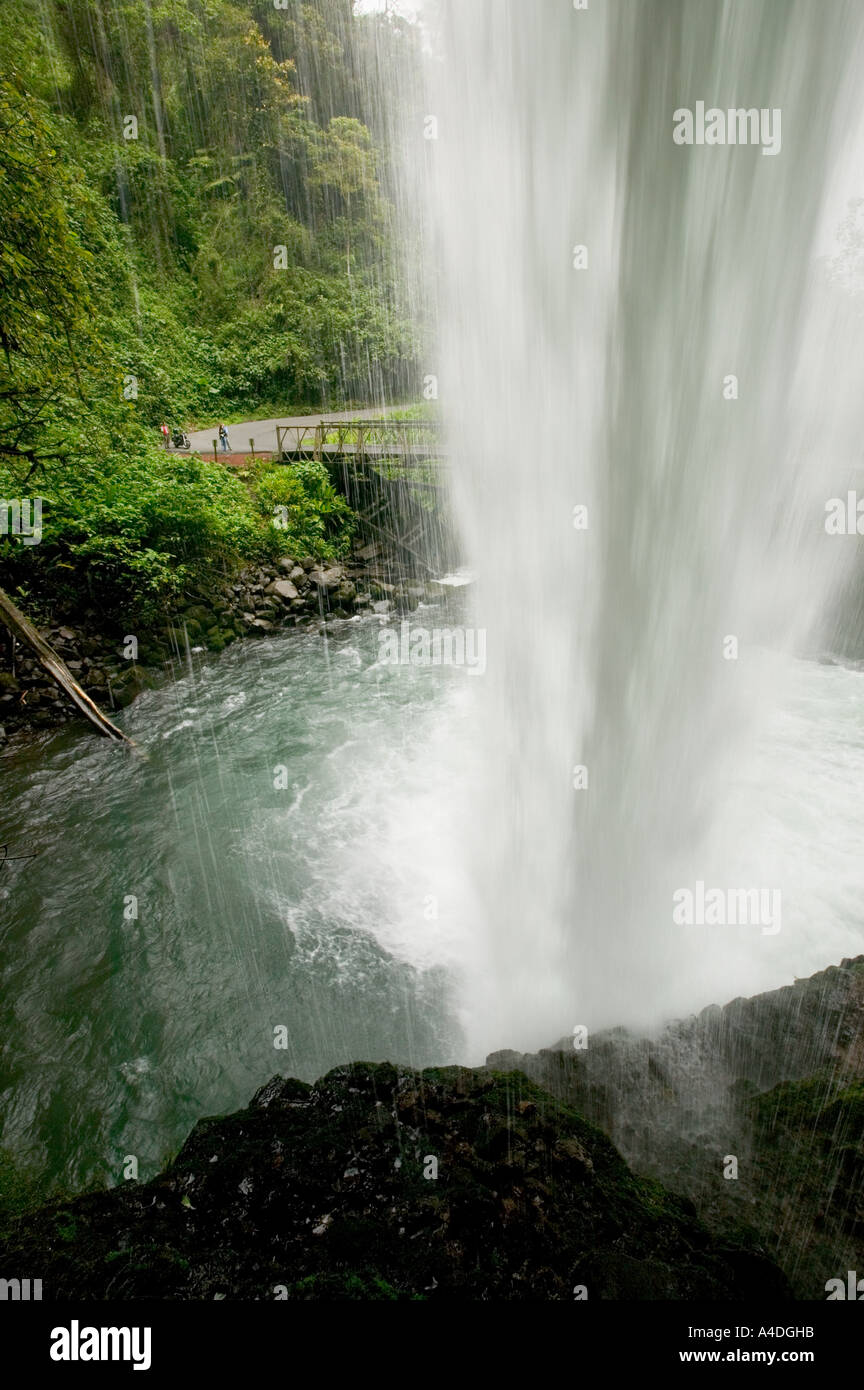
381, 1183
113, 666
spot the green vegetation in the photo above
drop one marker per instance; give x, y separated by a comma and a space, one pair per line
316, 520
818, 1116
194, 221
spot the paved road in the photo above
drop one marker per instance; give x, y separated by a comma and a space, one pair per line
264, 431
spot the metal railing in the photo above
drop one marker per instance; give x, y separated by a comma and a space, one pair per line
360, 438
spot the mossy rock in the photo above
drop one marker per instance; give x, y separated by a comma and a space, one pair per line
382, 1183
198, 614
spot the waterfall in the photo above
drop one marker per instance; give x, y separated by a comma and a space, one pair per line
649, 391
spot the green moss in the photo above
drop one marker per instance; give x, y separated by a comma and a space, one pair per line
847, 1109
67, 1230
820, 1105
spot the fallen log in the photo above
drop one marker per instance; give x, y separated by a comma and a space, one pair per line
50, 662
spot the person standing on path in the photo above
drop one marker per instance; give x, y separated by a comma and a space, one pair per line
223, 437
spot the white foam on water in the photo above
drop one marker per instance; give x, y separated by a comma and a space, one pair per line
603, 387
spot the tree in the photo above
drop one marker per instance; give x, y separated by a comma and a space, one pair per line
342, 169
44, 302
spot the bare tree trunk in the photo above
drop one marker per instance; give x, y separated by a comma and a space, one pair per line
57, 670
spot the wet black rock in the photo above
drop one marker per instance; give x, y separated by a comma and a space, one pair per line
775, 1082
381, 1183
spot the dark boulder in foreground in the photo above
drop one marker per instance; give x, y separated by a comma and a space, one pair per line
384, 1183
775, 1081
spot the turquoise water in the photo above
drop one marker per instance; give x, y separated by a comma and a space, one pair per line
300, 908
340, 907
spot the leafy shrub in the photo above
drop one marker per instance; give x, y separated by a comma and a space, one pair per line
130, 528
316, 521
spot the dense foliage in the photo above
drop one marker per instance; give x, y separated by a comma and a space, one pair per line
193, 224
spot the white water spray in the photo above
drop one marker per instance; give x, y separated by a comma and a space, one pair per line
638, 328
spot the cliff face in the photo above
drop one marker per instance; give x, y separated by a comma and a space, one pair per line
775, 1082
388, 1184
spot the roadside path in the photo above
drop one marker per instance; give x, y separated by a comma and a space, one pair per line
264, 431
